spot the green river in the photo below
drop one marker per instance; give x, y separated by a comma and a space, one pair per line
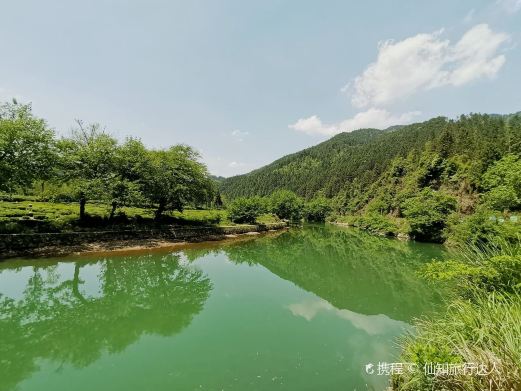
304, 309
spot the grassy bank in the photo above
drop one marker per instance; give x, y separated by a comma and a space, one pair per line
25, 215
481, 326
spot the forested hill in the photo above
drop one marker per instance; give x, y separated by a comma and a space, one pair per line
357, 159
357, 156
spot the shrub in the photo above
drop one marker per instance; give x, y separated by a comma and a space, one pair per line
286, 205
484, 226
503, 183
317, 209
427, 214
492, 267
246, 210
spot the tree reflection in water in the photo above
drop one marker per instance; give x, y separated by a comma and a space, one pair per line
350, 269
54, 320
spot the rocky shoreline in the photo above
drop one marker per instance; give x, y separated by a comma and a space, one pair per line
63, 243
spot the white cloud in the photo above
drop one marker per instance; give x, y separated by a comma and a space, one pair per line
235, 164
372, 118
427, 61
239, 135
510, 6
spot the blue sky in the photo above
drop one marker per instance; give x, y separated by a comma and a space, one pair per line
246, 82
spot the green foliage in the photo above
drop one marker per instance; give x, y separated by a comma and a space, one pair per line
246, 210
318, 209
430, 176
485, 330
350, 163
481, 227
377, 223
502, 182
497, 273
92, 166
286, 205
481, 325
174, 178
332, 165
27, 150
427, 213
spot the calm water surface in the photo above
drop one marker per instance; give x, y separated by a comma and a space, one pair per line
301, 310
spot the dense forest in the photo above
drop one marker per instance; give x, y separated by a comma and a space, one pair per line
354, 160
436, 180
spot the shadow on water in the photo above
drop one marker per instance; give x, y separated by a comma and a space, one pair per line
56, 318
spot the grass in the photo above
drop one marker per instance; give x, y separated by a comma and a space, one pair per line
34, 216
481, 325
485, 330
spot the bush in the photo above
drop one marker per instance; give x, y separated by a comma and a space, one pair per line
317, 209
377, 223
246, 210
503, 183
494, 273
286, 205
482, 325
484, 226
427, 214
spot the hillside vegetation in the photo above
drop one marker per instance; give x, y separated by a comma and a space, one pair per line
436, 180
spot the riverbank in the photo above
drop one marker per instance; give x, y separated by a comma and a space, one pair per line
63, 243
376, 232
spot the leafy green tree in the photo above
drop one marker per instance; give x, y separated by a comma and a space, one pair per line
246, 210
286, 205
89, 163
174, 178
427, 214
126, 186
27, 148
317, 209
502, 182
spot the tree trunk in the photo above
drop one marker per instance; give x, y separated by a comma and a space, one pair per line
83, 201
113, 210
160, 210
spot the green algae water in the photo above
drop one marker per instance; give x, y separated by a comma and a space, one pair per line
306, 309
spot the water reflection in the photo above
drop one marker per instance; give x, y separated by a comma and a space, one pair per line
55, 318
302, 309
347, 268
370, 324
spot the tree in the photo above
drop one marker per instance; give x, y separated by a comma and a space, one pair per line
246, 210
27, 148
126, 187
317, 209
175, 177
286, 205
218, 202
89, 163
502, 182
427, 213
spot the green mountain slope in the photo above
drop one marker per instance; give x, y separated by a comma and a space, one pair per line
354, 161
357, 156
